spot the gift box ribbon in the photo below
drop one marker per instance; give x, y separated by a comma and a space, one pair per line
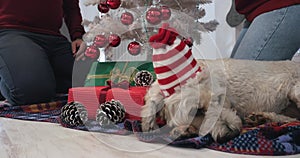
123, 84
117, 75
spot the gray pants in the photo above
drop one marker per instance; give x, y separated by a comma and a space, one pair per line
273, 35
34, 67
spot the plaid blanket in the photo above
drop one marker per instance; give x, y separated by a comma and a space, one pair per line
268, 139
49, 112
45, 112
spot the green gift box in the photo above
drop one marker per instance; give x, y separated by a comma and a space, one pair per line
101, 72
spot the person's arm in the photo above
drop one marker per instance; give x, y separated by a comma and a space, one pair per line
73, 19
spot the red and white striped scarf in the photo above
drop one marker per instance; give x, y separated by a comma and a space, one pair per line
173, 61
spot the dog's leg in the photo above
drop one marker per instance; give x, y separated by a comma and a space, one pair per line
154, 104
294, 94
259, 118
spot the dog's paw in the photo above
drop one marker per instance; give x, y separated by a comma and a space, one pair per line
149, 124
182, 132
255, 119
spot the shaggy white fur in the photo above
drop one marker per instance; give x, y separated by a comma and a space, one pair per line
225, 93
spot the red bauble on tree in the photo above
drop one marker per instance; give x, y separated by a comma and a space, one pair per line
126, 18
113, 4
114, 40
92, 52
153, 16
103, 7
134, 48
100, 41
166, 12
188, 41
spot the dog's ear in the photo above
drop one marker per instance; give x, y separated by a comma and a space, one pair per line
208, 123
214, 106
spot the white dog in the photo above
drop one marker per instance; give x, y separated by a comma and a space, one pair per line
223, 95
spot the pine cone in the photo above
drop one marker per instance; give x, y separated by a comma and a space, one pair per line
73, 114
109, 113
143, 78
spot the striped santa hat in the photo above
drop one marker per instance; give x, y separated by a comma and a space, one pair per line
173, 61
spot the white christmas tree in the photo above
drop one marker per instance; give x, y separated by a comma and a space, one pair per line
137, 20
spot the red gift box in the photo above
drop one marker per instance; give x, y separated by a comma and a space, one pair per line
88, 96
132, 99
91, 97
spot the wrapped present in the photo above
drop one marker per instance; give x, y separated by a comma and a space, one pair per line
88, 96
132, 98
101, 72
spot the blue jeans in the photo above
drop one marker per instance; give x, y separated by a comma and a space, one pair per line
274, 35
34, 67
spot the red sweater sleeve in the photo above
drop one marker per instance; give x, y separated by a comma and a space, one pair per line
253, 8
73, 18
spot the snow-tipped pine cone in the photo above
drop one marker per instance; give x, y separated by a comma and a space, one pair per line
73, 114
110, 112
143, 78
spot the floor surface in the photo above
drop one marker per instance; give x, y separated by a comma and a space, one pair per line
26, 139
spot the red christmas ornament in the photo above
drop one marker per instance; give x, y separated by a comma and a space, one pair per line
100, 41
114, 40
126, 18
103, 8
113, 4
188, 41
134, 48
166, 12
92, 52
154, 16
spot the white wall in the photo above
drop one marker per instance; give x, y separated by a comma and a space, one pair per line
219, 43
88, 12
213, 45
226, 35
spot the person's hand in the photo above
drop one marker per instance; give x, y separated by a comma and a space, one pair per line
79, 53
